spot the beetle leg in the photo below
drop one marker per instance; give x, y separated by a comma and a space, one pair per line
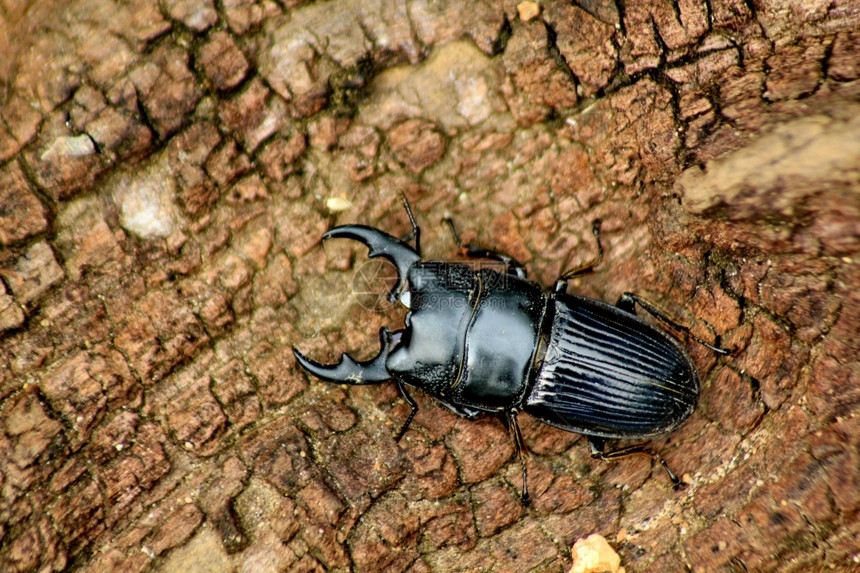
412, 404
512, 266
596, 445
514, 427
416, 230
561, 283
628, 301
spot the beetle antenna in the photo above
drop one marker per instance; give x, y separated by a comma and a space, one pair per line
416, 231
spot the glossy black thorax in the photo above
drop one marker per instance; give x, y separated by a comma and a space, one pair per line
471, 334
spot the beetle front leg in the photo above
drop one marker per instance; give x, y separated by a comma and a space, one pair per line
596, 445
412, 404
512, 266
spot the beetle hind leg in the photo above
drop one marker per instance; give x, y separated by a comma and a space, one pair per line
628, 301
585, 268
596, 445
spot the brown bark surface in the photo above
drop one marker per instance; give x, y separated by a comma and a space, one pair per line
166, 171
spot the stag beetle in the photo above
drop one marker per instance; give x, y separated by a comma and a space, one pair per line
480, 340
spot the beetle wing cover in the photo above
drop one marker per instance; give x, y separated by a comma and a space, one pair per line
608, 373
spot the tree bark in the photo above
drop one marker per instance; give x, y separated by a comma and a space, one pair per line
167, 170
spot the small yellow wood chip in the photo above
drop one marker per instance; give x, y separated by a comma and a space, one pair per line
594, 555
528, 10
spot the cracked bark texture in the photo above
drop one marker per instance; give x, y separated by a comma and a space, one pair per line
167, 169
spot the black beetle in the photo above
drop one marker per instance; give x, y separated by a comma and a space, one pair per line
480, 340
